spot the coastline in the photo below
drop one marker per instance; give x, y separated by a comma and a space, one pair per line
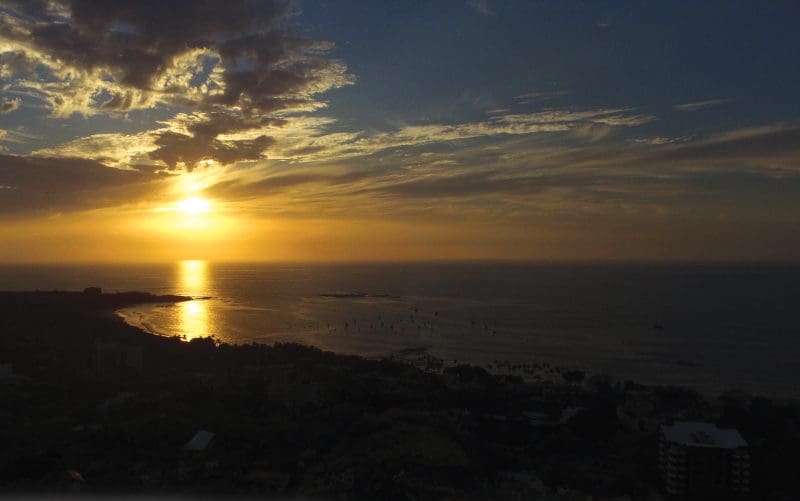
139, 323
291, 420
445, 348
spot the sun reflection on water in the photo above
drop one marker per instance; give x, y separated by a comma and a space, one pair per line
194, 317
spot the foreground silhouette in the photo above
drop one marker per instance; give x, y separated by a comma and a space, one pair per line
92, 404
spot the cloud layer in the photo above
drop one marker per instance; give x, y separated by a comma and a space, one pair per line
517, 177
49, 186
237, 62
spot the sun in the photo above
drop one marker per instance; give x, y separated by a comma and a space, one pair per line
193, 205
191, 214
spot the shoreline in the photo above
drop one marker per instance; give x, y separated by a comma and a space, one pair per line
530, 367
295, 421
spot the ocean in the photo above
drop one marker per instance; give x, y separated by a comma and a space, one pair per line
713, 327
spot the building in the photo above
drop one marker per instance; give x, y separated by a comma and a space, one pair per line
199, 441
699, 459
111, 359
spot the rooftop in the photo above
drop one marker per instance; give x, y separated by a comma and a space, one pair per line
697, 434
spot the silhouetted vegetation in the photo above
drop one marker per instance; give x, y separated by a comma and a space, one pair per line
294, 420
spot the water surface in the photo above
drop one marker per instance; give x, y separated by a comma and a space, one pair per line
712, 327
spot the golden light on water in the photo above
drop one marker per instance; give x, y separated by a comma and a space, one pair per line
192, 277
194, 318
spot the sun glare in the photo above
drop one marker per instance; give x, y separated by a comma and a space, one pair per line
191, 218
194, 205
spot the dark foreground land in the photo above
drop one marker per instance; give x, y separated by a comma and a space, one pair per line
94, 406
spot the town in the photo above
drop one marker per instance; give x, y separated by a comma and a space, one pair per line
92, 405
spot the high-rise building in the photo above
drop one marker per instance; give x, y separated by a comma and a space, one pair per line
698, 459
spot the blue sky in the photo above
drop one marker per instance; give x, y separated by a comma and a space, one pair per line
447, 61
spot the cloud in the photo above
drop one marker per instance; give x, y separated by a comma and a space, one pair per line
187, 140
241, 188
9, 105
314, 143
45, 186
773, 148
227, 60
111, 149
18, 136
625, 120
463, 184
530, 97
226, 52
217, 136
593, 132
481, 7
661, 140
701, 105
518, 177
191, 139
513, 175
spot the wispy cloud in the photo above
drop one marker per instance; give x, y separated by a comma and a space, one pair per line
413, 171
661, 140
481, 6
541, 95
518, 178
111, 149
313, 146
701, 105
191, 139
18, 136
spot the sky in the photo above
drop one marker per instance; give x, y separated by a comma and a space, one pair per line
257, 130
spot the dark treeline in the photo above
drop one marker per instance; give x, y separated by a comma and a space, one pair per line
92, 404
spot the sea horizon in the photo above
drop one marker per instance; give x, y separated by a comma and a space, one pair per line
656, 322
477, 260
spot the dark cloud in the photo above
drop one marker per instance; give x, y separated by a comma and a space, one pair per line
500, 185
200, 142
136, 40
226, 59
761, 145
53, 185
174, 149
237, 189
14, 61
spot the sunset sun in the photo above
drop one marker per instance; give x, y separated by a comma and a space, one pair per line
193, 206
